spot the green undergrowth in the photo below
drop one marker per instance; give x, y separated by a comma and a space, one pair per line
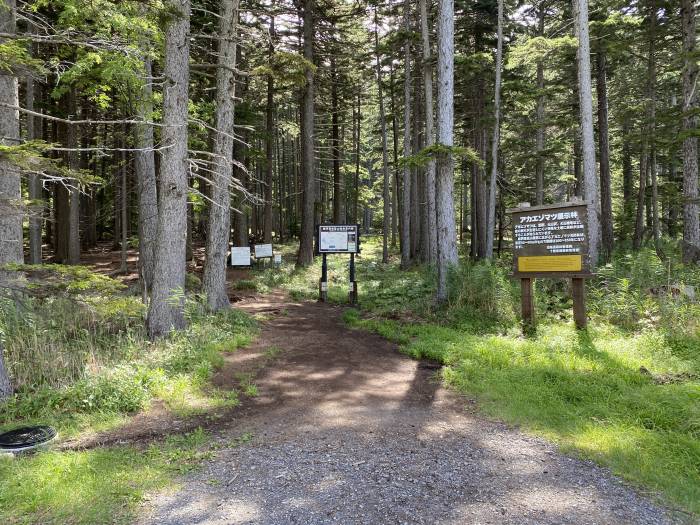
97, 486
79, 357
125, 372
80, 360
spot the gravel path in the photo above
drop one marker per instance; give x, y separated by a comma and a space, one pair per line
347, 430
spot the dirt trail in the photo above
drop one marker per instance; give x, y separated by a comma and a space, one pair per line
347, 430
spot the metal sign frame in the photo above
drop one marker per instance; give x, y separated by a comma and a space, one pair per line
352, 247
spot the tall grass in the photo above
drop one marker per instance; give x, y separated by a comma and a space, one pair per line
80, 354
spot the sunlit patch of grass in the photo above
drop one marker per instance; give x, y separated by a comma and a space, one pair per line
103, 485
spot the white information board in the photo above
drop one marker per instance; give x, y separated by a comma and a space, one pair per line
337, 238
334, 242
240, 256
263, 250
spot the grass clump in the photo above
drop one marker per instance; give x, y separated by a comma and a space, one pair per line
102, 485
79, 356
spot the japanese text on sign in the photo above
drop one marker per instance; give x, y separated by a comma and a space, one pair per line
550, 239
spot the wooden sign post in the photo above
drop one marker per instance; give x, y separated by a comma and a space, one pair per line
552, 242
337, 238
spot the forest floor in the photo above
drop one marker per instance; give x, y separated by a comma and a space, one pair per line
345, 429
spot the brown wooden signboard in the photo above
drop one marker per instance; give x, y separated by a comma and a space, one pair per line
551, 241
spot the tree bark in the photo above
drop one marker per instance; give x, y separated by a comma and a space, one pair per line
444, 180
641, 197
396, 196
269, 138
11, 249
306, 244
145, 166
429, 134
355, 213
74, 191
590, 181
123, 206
385, 154
416, 189
541, 101
335, 146
627, 181
214, 281
36, 193
691, 205
166, 310
651, 159
604, 153
491, 223
406, 207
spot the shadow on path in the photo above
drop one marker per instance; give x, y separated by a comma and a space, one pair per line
348, 430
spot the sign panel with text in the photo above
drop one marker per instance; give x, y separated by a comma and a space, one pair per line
551, 240
263, 251
240, 256
338, 238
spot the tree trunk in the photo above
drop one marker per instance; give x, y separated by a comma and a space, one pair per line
691, 205
306, 244
335, 146
604, 152
36, 196
444, 180
627, 181
214, 281
74, 191
145, 165
396, 196
429, 134
416, 216
355, 213
123, 206
541, 101
269, 138
651, 112
406, 208
590, 181
166, 310
491, 223
11, 249
385, 154
639, 222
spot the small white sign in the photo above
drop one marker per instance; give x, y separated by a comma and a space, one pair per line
263, 250
240, 256
278, 258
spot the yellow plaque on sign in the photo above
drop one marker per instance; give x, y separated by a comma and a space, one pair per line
550, 263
